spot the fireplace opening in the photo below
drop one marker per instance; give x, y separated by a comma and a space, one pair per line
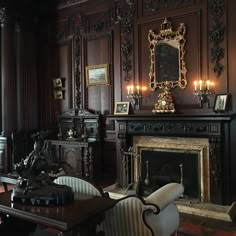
164, 155
160, 167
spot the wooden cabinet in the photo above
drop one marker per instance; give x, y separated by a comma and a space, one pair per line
77, 158
85, 124
78, 152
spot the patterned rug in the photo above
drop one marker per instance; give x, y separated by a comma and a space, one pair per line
190, 229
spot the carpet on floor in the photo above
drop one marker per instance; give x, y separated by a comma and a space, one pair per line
190, 229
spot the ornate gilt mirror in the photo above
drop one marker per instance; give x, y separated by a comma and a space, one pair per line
167, 68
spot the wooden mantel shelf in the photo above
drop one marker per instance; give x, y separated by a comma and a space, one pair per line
175, 116
177, 124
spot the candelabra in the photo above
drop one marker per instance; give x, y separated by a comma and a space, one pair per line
134, 100
204, 91
134, 96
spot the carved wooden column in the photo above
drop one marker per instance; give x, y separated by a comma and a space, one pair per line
216, 170
8, 67
87, 162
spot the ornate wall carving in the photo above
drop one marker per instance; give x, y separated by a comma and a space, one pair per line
156, 5
216, 35
126, 17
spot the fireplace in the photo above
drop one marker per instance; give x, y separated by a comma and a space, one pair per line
203, 139
160, 160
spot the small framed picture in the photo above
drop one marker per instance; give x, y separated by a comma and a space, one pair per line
220, 103
121, 108
97, 75
58, 94
57, 83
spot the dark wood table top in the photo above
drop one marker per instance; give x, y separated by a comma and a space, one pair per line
64, 218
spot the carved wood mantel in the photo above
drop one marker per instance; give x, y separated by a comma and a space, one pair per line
214, 127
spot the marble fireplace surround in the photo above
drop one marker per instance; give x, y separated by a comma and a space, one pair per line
200, 146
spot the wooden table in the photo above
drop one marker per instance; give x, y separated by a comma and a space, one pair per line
8, 179
82, 215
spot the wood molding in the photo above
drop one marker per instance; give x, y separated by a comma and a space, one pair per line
69, 3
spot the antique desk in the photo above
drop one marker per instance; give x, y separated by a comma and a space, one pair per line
81, 216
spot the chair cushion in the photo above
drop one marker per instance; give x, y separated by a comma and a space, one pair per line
79, 185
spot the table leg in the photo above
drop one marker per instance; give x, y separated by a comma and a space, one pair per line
5, 186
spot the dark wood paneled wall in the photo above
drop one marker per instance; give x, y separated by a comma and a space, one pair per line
103, 30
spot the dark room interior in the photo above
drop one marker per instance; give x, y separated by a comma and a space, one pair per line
133, 95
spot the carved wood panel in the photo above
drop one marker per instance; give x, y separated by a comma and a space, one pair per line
63, 66
151, 7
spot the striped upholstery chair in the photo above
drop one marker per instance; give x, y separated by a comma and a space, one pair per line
80, 185
157, 215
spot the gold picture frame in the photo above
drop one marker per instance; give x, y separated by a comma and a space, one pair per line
97, 75
121, 108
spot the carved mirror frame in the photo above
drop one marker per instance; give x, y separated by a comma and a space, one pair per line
166, 35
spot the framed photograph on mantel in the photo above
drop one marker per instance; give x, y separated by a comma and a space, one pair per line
121, 108
97, 75
220, 103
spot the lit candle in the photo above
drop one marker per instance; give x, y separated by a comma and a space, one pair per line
137, 87
128, 89
208, 85
195, 85
144, 88
132, 89
200, 84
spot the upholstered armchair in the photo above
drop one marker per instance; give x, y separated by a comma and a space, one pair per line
157, 215
80, 185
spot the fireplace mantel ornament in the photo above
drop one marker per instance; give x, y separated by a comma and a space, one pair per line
167, 69
165, 102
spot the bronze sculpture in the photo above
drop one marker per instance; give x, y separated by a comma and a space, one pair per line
34, 184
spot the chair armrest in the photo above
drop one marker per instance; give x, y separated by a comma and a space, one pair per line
165, 195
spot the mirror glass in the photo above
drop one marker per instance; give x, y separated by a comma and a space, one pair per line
167, 57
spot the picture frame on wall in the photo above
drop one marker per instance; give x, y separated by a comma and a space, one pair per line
97, 75
220, 103
57, 83
121, 108
58, 94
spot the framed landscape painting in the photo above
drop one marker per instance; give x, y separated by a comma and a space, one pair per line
97, 75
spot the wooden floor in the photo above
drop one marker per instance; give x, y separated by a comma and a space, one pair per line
204, 222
